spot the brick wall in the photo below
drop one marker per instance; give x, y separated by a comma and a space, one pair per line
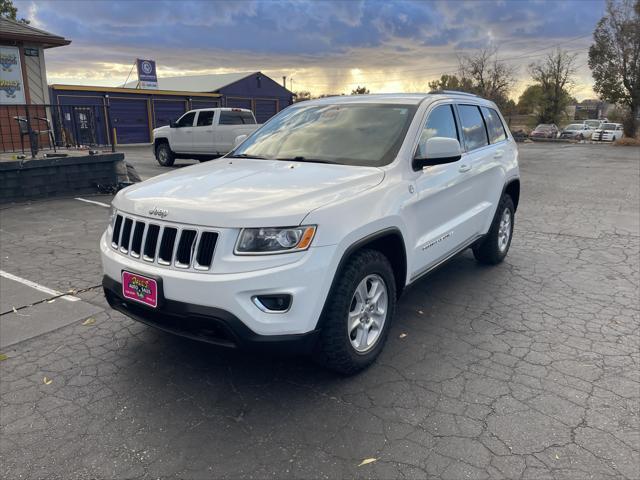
10, 129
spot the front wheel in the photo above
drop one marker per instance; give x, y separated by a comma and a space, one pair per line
358, 314
495, 245
165, 155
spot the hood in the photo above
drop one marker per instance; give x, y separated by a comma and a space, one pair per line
236, 193
159, 130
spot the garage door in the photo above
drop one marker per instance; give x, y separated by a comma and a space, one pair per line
130, 119
239, 103
265, 109
204, 104
166, 111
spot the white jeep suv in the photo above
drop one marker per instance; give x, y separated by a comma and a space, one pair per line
305, 235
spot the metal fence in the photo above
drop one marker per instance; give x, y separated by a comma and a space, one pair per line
30, 129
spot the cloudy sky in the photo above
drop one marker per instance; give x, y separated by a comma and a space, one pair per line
323, 46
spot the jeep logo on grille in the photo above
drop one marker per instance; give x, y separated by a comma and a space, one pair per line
159, 212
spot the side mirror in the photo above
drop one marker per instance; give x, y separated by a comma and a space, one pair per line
173, 124
437, 151
239, 139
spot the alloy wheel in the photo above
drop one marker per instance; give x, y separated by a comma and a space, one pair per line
367, 313
504, 230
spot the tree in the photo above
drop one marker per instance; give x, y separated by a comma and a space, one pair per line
452, 82
8, 10
301, 96
490, 77
530, 99
614, 59
360, 91
554, 74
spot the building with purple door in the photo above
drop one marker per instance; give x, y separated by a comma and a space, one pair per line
135, 112
127, 114
252, 90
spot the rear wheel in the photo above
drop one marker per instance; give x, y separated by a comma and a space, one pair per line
495, 245
358, 314
165, 155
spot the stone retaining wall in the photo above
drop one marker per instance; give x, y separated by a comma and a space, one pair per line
54, 177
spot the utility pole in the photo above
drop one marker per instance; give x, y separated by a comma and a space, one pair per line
291, 83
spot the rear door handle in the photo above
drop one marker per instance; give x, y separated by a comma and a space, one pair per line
464, 168
498, 154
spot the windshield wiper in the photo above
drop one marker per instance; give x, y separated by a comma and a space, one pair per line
246, 155
305, 159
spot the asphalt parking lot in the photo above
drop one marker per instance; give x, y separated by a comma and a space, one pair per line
528, 370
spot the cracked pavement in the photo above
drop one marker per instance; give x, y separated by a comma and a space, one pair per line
527, 370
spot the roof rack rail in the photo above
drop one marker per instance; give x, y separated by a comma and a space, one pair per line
452, 92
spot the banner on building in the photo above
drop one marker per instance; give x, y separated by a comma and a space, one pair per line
147, 77
11, 81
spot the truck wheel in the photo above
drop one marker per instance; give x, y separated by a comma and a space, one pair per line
495, 245
358, 314
165, 155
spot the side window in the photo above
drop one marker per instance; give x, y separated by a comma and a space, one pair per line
186, 120
230, 118
475, 135
441, 123
247, 118
495, 128
205, 118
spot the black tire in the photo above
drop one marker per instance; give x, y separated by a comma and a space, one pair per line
334, 349
488, 250
164, 155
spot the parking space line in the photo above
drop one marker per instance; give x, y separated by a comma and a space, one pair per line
93, 202
37, 286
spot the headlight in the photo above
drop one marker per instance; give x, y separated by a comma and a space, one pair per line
262, 241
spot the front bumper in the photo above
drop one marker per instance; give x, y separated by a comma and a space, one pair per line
206, 324
603, 137
307, 279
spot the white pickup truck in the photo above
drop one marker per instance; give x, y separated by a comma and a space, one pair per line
202, 134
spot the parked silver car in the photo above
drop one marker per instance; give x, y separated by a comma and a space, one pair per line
576, 131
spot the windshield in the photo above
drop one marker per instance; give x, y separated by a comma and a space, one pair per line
592, 123
347, 134
543, 126
608, 126
573, 126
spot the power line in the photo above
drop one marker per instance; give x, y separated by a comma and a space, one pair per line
554, 45
452, 70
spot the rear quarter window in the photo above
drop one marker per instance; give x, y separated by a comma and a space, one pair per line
495, 128
236, 118
473, 130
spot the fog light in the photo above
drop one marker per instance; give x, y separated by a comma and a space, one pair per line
278, 303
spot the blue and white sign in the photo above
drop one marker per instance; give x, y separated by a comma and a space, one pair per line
147, 77
11, 81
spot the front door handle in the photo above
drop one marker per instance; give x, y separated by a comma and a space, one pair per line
464, 168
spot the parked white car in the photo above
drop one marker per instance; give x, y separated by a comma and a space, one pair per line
576, 131
306, 234
608, 132
202, 134
595, 123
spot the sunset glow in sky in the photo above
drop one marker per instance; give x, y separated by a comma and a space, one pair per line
323, 46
